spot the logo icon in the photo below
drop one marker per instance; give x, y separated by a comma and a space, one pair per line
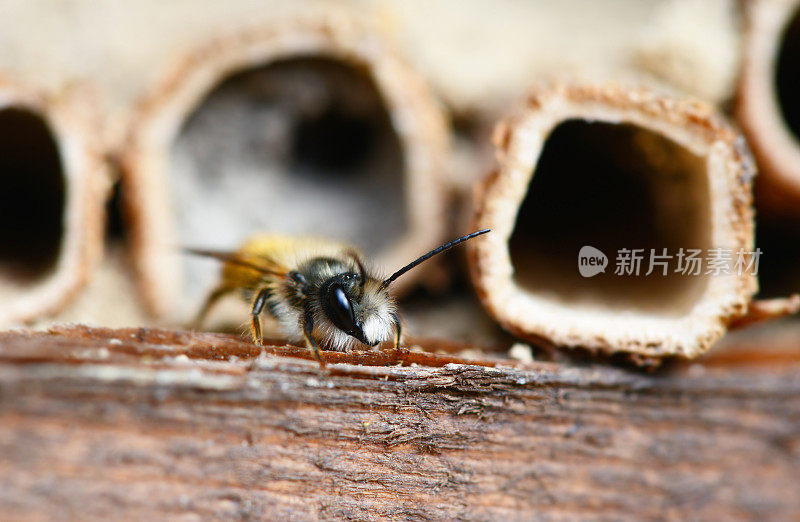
591, 261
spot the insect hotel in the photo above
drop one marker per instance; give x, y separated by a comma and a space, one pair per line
457, 261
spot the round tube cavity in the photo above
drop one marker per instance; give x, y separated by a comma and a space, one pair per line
768, 104
304, 129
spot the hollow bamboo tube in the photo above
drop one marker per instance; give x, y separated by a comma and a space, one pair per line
614, 168
53, 187
357, 154
768, 106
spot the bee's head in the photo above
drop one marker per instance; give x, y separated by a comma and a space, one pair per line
357, 305
360, 306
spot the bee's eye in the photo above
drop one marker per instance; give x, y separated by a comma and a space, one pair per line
338, 309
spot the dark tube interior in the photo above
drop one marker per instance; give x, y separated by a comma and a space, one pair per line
32, 196
787, 77
612, 187
778, 266
115, 219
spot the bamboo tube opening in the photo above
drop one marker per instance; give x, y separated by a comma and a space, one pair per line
312, 128
619, 169
53, 184
787, 75
32, 197
611, 186
768, 102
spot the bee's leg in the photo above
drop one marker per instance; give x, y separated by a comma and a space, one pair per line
308, 329
255, 316
398, 329
211, 300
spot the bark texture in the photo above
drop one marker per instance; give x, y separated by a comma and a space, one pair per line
156, 424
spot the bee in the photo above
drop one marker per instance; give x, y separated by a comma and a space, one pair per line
318, 289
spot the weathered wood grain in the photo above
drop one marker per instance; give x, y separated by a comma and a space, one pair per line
153, 424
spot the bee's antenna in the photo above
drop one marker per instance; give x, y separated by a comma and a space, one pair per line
233, 259
389, 280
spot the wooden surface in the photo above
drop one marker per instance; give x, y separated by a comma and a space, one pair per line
151, 425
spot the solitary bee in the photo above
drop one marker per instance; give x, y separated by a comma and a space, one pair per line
315, 287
